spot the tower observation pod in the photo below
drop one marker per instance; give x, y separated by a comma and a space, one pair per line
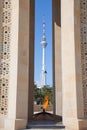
43, 44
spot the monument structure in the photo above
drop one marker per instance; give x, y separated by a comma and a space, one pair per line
16, 63
69, 19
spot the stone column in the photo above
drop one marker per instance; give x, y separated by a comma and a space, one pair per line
25, 82
57, 82
31, 58
16, 63
73, 106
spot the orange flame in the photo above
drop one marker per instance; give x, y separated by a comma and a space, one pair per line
45, 104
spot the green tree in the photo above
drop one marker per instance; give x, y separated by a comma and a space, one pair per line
39, 94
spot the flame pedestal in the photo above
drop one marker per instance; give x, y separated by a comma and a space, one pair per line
44, 116
45, 120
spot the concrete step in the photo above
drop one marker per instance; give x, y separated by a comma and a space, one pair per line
44, 129
44, 125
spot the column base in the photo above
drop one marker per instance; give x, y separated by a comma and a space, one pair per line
82, 124
70, 123
20, 123
10, 124
75, 124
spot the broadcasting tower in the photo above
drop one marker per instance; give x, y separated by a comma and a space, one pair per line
43, 44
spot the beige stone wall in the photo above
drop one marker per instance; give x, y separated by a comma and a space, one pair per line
23, 60
57, 72
68, 65
83, 44
73, 109
25, 81
19, 101
31, 57
5, 42
79, 89
9, 37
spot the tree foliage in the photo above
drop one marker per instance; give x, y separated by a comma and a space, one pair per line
39, 94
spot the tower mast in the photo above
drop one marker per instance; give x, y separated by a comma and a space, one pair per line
43, 44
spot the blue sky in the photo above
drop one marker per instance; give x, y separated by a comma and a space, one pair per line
43, 7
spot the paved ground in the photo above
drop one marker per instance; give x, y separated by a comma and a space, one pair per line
46, 129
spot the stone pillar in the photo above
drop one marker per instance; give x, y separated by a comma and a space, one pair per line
57, 82
31, 58
16, 63
25, 82
73, 100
